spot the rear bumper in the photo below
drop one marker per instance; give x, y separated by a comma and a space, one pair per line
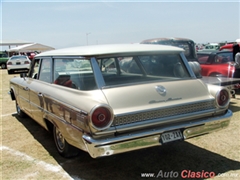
144, 139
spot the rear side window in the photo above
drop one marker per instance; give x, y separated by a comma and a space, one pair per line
73, 73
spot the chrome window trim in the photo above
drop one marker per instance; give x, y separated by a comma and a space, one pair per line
97, 73
185, 61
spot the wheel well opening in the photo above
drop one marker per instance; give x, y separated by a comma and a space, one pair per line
49, 125
12, 94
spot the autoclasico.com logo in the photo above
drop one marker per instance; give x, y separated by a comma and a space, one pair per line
187, 174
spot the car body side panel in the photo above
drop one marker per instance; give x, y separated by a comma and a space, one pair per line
222, 69
70, 116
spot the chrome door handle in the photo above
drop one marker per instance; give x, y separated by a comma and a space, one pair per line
26, 88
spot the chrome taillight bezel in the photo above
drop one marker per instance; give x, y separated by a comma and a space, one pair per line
223, 95
109, 123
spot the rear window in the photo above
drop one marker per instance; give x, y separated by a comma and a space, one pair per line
18, 58
142, 69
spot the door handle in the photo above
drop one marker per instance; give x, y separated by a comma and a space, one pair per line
26, 88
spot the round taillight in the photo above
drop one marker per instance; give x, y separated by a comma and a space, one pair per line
223, 98
101, 118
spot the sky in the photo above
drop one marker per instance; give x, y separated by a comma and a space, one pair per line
62, 24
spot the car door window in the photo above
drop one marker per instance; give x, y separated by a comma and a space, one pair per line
203, 58
45, 70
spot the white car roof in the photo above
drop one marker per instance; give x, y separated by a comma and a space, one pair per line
99, 50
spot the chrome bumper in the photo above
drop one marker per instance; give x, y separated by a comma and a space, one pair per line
144, 139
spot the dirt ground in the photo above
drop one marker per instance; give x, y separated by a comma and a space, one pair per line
28, 152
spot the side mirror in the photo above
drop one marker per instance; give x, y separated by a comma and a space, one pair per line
23, 75
196, 68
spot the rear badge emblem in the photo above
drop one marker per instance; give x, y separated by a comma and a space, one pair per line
161, 90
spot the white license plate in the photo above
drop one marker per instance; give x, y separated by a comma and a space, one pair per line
171, 136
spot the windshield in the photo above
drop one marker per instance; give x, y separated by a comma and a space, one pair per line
183, 45
187, 45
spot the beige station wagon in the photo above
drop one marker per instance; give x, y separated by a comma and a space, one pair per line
110, 99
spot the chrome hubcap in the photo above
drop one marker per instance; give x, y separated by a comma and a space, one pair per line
60, 139
18, 109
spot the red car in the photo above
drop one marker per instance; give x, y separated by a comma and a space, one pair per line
31, 55
216, 63
227, 47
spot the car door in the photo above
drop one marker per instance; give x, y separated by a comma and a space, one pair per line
24, 100
39, 81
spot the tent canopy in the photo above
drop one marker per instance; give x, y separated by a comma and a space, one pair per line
13, 42
31, 47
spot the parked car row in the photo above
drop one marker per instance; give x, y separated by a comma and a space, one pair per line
213, 62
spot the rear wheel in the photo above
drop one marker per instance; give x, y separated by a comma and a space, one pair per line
63, 148
3, 66
20, 113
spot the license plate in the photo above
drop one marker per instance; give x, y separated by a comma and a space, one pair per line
171, 136
18, 63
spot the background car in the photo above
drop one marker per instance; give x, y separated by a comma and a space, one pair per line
211, 47
3, 59
31, 55
18, 63
228, 46
216, 63
187, 44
